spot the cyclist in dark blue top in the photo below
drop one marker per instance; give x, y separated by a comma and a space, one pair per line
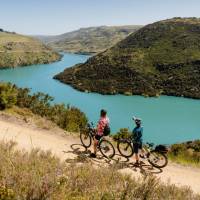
137, 138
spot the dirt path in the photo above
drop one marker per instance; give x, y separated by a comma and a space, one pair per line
68, 149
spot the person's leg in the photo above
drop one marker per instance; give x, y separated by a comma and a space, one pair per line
136, 149
137, 158
96, 141
95, 146
142, 154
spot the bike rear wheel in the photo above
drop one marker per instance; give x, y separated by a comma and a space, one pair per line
86, 139
106, 148
157, 159
125, 148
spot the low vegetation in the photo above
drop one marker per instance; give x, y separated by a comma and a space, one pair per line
160, 58
89, 40
67, 117
19, 50
186, 153
123, 133
39, 175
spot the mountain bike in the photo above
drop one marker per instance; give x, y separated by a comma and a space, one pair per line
104, 146
155, 156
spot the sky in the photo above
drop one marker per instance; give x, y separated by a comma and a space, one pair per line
53, 17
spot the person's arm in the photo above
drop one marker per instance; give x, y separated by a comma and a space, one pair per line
100, 126
138, 135
133, 135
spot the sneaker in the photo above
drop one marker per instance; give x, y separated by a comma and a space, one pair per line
137, 164
93, 155
142, 156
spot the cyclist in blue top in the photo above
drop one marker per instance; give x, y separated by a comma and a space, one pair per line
137, 138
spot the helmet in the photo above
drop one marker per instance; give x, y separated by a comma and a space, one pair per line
137, 120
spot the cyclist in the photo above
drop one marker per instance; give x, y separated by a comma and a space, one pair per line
103, 122
137, 138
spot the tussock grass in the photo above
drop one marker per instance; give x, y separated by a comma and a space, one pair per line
39, 175
187, 153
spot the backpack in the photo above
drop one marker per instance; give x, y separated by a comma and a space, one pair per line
161, 148
106, 130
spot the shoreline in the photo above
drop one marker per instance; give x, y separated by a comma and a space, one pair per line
124, 94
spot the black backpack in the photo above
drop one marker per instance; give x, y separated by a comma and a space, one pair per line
161, 148
106, 130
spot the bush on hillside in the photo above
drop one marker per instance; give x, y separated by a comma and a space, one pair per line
40, 176
8, 96
188, 152
67, 117
123, 133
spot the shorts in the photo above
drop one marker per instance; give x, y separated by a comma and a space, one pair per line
136, 147
98, 137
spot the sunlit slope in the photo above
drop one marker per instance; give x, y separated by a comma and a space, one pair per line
19, 50
160, 58
89, 40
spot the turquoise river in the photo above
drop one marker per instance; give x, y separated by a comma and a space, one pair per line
165, 119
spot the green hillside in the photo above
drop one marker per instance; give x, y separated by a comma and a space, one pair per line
19, 50
89, 40
160, 58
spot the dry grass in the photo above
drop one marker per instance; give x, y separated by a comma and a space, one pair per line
39, 175
27, 116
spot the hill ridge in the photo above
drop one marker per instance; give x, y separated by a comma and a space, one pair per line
89, 40
20, 50
160, 58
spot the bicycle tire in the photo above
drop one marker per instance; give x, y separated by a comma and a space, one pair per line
105, 146
86, 136
164, 157
125, 148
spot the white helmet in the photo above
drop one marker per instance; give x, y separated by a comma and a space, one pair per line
137, 120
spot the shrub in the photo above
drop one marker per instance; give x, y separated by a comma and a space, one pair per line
123, 133
67, 117
188, 152
40, 176
6, 193
8, 96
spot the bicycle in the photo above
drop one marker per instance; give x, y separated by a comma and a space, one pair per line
155, 156
106, 148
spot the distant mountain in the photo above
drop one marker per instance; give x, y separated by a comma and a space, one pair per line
19, 50
160, 58
3, 31
89, 40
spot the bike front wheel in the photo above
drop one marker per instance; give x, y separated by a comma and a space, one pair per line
157, 159
106, 148
125, 148
86, 139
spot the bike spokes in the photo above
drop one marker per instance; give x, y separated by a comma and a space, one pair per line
157, 159
85, 139
106, 148
125, 149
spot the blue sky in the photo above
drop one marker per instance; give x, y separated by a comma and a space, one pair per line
59, 16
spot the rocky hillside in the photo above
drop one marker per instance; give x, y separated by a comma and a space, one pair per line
19, 50
160, 58
89, 40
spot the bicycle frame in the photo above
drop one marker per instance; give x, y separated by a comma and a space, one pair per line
147, 147
92, 132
